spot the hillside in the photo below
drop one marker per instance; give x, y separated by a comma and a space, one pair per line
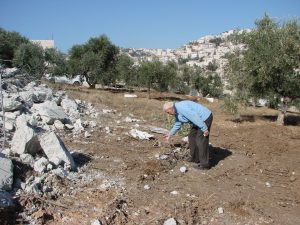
201, 52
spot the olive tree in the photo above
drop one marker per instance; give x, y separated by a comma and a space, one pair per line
30, 58
9, 43
156, 75
56, 64
96, 60
269, 64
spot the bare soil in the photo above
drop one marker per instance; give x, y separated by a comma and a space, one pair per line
254, 176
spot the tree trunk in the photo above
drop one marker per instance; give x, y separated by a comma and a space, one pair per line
280, 118
149, 87
282, 113
92, 86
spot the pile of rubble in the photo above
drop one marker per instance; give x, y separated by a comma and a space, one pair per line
35, 154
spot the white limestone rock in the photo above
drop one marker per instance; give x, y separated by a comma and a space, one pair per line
50, 112
41, 165
54, 148
6, 173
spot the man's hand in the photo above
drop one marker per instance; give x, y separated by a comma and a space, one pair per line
206, 133
167, 136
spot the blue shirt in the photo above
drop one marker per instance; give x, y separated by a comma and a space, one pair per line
190, 112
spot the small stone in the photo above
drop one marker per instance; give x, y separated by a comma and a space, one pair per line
268, 184
163, 157
96, 222
170, 221
220, 210
69, 126
183, 169
174, 193
87, 134
146, 187
292, 178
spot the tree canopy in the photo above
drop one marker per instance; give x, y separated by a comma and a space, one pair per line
95, 60
269, 65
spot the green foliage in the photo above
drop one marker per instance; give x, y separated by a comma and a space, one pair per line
30, 58
9, 43
268, 65
56, 63
230, 106
156, 75
126, 70
212, 66
96, 60
209, 85
217, 41
184, 130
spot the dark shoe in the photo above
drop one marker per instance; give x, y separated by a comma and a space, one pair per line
189, 159
200, 167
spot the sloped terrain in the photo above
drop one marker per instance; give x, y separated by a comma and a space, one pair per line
126, 180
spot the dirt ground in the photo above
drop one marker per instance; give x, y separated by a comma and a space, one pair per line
254, 177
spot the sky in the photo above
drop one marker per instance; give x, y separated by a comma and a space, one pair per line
137, 23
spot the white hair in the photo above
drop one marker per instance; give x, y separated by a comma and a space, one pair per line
168, 105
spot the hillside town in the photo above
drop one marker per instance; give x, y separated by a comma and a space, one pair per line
201, 52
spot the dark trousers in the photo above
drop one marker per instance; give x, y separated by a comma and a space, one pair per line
199, 145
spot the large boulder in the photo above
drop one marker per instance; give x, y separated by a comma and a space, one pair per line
12, 103
55, 150
24, 139
6, 173
71, 108
49, 112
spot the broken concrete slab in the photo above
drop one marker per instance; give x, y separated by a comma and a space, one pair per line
49, 112
6, 173
24, 140
11, 104
140, 134
158, 130
54, 148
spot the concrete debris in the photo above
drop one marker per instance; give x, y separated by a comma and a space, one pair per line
58, 125
87, 134
170, 221
12, 103
27, 159
220, 210
23, 138
185, 139
140, 134
78, 128
146, 187
41, 165
158, 130
268, 184
49, 112
130, 120
183, 169
130, 96
55, 149
95, 222
6, 173
107, 111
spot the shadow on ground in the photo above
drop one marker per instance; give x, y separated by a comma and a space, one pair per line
81, 159
290, 120
167, 99
217, 154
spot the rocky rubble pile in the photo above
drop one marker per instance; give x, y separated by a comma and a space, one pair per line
35, 156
